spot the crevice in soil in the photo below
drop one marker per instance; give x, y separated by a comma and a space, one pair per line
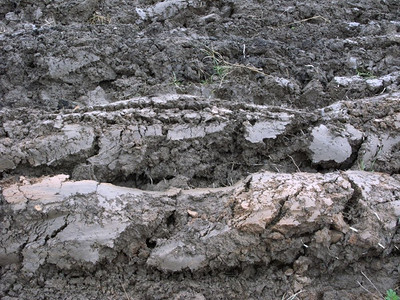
351, 211
57, 231
150, 243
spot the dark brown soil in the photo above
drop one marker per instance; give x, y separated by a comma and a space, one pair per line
198, 96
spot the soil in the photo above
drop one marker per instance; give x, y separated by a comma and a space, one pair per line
187, 149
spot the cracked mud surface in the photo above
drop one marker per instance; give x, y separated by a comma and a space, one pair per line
188, 149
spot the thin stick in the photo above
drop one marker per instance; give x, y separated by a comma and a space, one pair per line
352, 228
377, 216
371, 283
126, 294
365, 289
305, 20
298, 169
251, 68
294, 296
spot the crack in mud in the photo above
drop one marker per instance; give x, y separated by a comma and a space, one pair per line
57, 231
350, 212
281, 213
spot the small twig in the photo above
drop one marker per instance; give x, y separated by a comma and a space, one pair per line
293, 296
298, 169
365, 289
371, 283
126, 294
352, 228
248, 67
377, 216
97, 18
305, 20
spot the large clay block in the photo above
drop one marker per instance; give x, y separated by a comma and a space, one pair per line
84, 222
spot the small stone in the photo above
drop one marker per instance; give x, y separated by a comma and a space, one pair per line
301, 282
38, 207
300, 266
297, 286
144, 254
335, 236
172, 192
289, 272
11, 17
38, 13
192, 213
276, 236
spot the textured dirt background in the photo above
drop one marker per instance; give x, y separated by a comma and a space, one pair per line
188, 149
60, 55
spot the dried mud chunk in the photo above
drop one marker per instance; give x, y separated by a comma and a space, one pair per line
266, 129
292, 204
73, 139
6, 164
267, 217
333, 147
380, 153
327, 147
313, 94
172, 257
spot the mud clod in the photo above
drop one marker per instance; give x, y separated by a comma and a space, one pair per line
187, 149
